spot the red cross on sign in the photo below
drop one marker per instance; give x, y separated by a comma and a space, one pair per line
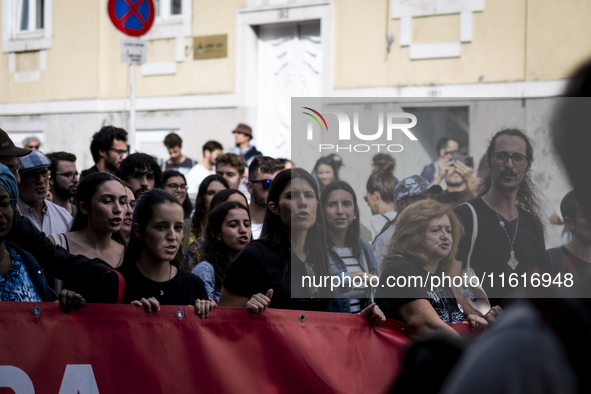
132, 17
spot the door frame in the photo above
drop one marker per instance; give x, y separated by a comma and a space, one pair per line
246, 69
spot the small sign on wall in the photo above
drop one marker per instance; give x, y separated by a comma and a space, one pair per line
210, 47
133, 51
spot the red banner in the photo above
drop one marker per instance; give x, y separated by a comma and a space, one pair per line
122, 349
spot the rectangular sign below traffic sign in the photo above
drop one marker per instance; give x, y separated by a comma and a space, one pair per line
133, 51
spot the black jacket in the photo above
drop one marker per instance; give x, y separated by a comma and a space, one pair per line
81, 272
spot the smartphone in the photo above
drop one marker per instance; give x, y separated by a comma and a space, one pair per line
467, 160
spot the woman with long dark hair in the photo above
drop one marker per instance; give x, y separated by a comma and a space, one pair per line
227, 195
326, 170
207, 189
226, 234
150, 271
349, 255
175, 183
95, 233
292, 245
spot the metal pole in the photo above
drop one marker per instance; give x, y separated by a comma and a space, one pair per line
131, 131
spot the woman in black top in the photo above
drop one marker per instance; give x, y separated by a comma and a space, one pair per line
150, 271
269, 271
292, 244
423, 245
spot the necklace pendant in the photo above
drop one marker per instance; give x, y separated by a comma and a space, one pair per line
513, 261
162, 291
502, 223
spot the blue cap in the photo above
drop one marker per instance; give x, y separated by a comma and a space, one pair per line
33, 161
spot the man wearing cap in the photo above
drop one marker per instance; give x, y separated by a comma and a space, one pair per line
408, 191
9, 154
33, 204
242, 136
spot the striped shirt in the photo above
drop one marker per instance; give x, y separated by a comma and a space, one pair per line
353, 265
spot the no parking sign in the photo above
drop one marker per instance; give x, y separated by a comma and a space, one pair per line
132, 17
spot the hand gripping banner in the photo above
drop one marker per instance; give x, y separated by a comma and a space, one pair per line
122, 349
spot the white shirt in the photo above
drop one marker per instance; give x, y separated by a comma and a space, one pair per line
256, 230
197, 174
56, 220
378, 221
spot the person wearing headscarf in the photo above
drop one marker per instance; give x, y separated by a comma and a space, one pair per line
21, 277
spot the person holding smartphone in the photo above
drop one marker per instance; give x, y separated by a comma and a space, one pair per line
459, 178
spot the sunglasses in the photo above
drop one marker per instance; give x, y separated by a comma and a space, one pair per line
266, 183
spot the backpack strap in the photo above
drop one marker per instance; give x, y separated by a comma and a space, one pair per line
121, 286
474, 232
388, 224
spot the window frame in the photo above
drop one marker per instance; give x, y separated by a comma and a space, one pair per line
16, 40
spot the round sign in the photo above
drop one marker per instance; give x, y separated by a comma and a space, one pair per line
132, 17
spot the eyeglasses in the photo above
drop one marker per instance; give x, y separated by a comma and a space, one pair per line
120, 152
517, 158
69, 175
265, 183
176, 186
34, 147
32, 176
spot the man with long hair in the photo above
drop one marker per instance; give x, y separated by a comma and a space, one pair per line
510, 237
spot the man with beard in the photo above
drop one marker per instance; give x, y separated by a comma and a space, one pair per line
108, 148
510, 238
211, 151
63, 179
33, 204
261, 173
142, 173
460, 181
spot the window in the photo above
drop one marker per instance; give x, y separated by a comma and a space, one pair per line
168, 8
26, 25
31, 15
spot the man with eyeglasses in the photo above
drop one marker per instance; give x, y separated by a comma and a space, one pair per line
45, 215
261, 173
510, 237
63, 180
108, 148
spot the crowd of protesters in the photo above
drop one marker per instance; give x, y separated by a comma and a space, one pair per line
127, 231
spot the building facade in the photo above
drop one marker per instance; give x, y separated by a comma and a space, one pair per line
63, 77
